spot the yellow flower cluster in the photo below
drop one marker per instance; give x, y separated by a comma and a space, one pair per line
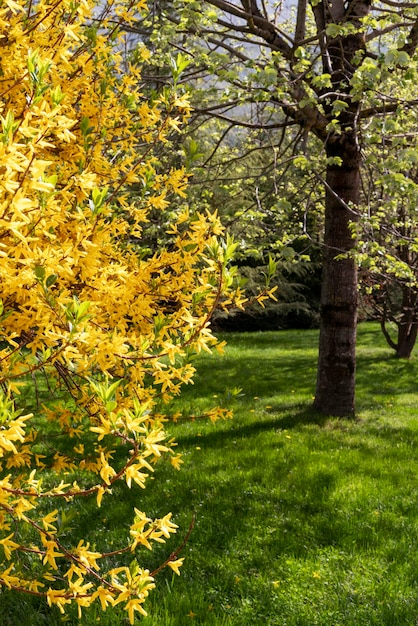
110, 324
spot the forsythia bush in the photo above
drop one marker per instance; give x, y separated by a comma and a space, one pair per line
109, 325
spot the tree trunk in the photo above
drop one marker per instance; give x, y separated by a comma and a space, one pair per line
335, 389
406, 340
408, 324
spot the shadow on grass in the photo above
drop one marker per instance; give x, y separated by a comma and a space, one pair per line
270, 376
301, 416
282, 340
383, 374
269, 365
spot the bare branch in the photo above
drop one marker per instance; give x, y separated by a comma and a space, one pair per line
244, 124
389, 107
257, 24
300, 29
388, 29
400, 5
217, 145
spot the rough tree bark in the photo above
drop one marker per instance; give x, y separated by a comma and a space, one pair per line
335, 390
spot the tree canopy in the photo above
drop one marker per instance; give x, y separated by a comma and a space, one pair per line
329, 70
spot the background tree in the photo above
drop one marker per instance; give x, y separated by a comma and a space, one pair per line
320, 67
245, 173
388, 232
264, 208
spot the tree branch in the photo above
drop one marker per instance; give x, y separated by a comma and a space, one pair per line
257, 24
244, 124
300, 30
412, 41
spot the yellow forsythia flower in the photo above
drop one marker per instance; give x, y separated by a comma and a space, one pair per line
108, 321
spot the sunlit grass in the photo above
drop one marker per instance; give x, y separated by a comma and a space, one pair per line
299, 520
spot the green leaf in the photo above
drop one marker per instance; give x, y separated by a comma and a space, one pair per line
338, 106
98, 197
178, 65
39, 272
82, 309
85, 127
324, 80
411, 155
333, 30
397, 57
51, 280
110, 391
301, 162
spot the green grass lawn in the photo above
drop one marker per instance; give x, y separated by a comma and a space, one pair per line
299, 520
